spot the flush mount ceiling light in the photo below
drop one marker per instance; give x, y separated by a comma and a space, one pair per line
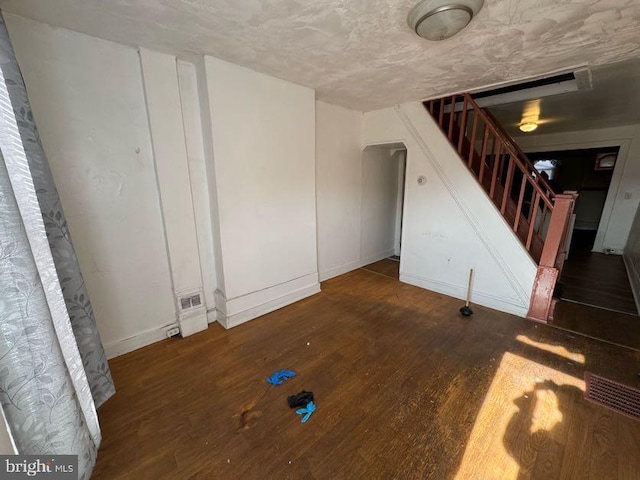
528, 127
440, 19
530, 115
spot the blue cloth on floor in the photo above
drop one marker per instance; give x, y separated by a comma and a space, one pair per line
277, 378
307, 411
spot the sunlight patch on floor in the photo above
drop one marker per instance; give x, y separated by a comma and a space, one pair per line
559, 350
523, 410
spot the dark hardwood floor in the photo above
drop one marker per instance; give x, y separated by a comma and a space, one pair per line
619, 328
597, 300
405, 388
599, 280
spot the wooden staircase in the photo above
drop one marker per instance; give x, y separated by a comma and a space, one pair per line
538, 216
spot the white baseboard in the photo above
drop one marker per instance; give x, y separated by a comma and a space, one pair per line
193, 322
212, 315
120, 347
348, 267
634, 278
235, 311
341, 270
507, 305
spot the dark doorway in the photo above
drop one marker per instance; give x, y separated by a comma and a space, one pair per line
589, 172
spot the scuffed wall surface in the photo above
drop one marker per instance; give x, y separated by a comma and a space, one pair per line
89, 107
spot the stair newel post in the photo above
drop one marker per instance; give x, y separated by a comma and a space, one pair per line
557, 232
552, 252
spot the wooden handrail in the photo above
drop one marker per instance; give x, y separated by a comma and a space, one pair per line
506, 138
491, 123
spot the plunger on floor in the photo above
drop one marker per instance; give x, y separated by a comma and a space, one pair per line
466, 311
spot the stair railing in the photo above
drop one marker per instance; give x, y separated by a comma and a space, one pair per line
538, 215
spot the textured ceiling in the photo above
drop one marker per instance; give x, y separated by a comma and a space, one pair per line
613, 101
360, 53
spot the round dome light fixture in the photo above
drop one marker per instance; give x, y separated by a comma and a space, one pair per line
527, 127
441, 19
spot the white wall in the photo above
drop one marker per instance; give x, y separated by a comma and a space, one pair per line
135, 154
263, 136
379, 202
449, 223
339, 187
88, 101
619, 211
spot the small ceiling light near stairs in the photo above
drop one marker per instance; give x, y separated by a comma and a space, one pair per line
440, 19
528, 127
531, 115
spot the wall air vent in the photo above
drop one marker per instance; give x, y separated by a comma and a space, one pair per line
195, 300
190, 301
185, 303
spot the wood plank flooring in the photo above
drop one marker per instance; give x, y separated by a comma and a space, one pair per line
405, 388
387, 267
599, 280
619, 328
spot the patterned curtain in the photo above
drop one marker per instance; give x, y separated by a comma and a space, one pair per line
53, 368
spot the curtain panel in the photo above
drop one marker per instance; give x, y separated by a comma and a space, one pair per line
53, 368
